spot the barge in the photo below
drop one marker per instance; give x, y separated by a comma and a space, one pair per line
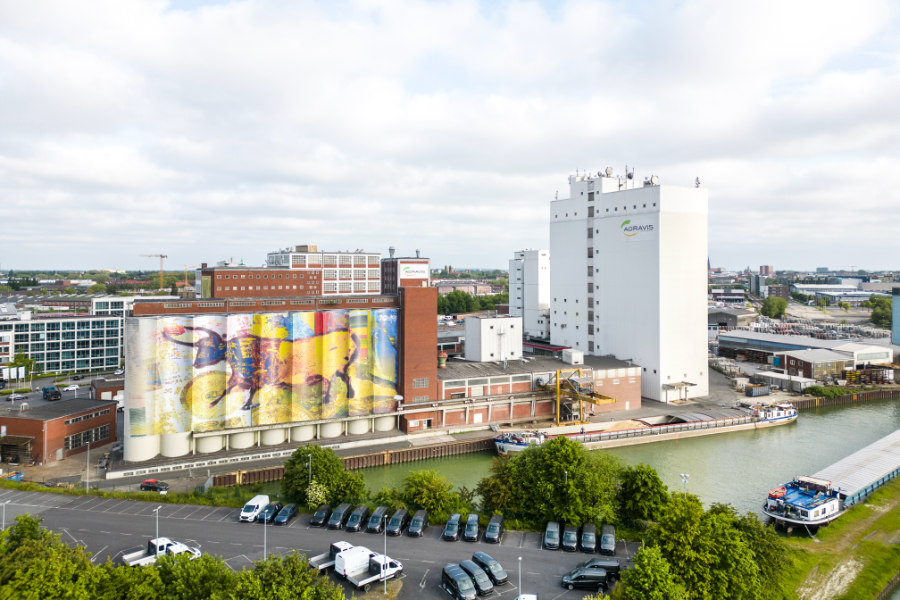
817, 500
744, 415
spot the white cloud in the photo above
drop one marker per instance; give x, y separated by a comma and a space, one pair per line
231, 129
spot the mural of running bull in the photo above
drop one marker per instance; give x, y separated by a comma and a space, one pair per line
218, 372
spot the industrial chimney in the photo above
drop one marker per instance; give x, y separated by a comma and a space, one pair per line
391, 251
418, 255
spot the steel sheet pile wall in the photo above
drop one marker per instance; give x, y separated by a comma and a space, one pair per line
216, 372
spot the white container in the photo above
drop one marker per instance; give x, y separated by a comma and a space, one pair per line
352, 560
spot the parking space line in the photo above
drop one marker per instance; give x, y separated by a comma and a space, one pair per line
172, 514
105, 501
211, 513
111, 506
234, 512
193, 511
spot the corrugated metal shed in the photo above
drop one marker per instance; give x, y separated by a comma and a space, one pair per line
866, 470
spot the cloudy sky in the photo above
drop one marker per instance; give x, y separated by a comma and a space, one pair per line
205, 130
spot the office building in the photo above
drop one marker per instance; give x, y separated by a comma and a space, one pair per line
767, 270
71, 343
629, 278
529, 291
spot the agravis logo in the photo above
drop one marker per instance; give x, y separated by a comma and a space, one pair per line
633, 230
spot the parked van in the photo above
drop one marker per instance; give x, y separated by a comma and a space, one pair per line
491, 567
352, 560
357, 520
586, 579
376, 521
483, 584
398, 522
608, 540
589, 538
253, 508
570, 538
470, 533
418, 524
451, 529
610, 565
494, 530
339, 517
551, 536
320, 519
458, 583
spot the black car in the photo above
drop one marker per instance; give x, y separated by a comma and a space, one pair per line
482, 582
608, 540
494, 530
470, 533
339, 517
376, 521
357, 520
285, 515
551, 536
458, 583
398, 522
77, 377
610, 565
570, 538
418, 524
154, 485
589, 538
320, 519
267, 515
585, 579
491, 567
451, 530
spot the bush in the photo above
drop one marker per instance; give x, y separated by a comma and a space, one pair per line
22, 390
822, 391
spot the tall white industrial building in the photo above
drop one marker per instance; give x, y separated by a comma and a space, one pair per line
629, 278
529, 291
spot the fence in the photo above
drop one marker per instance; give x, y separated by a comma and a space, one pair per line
373, 459
846, 399
890, 588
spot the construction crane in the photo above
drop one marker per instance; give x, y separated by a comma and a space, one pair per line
185, 272
572, 386
161, 258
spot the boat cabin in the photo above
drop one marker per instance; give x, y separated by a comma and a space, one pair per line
804, 501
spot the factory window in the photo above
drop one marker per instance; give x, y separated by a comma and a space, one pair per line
266, 277
590, 346
218, 277
654, 371
418, 399
645, 206
456, 395
607, 210
615, 382
243, 287
420, 383
227, 276
345, 260
218, 289
227, 288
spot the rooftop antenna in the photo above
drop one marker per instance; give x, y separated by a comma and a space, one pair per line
557, 195
697, 182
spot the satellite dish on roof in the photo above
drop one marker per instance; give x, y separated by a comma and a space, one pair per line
654, 179
609, 171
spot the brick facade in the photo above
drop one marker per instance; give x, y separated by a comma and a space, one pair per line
50, 434
418, 344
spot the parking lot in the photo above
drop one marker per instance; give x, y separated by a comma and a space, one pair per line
110, 528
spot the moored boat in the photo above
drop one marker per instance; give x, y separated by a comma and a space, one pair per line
516, 441
805, 501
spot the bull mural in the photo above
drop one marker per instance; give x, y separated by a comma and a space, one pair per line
206, 373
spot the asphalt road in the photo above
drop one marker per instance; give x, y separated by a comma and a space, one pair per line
110, 528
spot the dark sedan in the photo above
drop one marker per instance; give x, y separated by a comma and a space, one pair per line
267, 515
285, 515
154, 485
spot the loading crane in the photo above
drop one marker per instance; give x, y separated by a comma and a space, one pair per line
161, 258
572, 385
185, 272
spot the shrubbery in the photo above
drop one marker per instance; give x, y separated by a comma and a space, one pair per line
823, 391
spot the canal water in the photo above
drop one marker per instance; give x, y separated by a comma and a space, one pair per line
735, 468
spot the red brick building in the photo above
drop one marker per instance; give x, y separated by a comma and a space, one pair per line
59, 430
474, 394
106, 388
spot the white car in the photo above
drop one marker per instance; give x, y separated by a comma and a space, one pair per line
71, 388
119, 372
14, 397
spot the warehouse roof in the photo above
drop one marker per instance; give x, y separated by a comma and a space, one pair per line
59, 409
461, 369
819, 355
796, 341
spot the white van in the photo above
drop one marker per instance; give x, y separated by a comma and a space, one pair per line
352, 560
253, 508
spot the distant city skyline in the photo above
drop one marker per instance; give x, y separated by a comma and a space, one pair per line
443, 126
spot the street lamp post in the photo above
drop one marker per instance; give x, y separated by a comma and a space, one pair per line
520, 575
567, 487
309, 466
88, 467
156, 510
384, 562
265, 535
684, 479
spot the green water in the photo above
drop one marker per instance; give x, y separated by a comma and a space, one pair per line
737, 468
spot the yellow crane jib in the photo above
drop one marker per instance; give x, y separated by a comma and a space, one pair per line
573, 385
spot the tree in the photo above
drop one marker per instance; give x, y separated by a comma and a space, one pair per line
774, 307
560, 480
287, 578
881, 311
327, 470
126, 583
174, 290
98, 288
391, 497
22, 360
204, 577
70, 290
845, 306
426, 489
497, 489
651, 578
770, 551
642, 493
